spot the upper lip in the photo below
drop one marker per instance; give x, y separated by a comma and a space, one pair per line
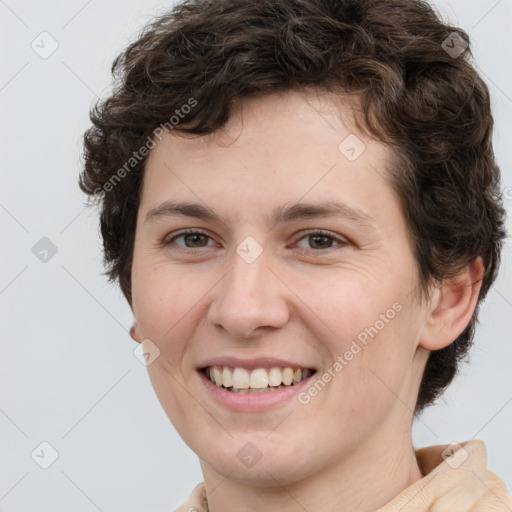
252, 364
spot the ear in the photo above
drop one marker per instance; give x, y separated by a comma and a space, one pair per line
452, 307
134, 333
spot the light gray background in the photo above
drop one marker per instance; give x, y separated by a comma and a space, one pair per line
68, 373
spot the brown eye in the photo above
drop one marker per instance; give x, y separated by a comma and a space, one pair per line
192, 239
195, 240
320, 240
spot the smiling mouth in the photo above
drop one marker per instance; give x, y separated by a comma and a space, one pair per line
259, 380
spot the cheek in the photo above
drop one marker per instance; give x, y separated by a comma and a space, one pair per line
159, 302
379, 376
348, 304
370, 335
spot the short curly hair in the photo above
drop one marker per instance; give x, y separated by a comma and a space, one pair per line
419, 94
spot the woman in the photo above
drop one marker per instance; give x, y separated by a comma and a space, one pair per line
301, 205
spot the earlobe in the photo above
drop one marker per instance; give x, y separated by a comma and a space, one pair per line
452, 307
134, 334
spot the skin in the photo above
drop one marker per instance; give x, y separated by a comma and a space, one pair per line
350, 447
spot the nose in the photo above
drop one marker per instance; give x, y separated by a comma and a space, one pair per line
250, 298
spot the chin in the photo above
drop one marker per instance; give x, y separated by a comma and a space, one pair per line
259, 466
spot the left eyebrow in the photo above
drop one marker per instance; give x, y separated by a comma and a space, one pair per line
301, 211
282, 214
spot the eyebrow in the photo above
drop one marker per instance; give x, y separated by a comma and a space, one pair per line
282, 214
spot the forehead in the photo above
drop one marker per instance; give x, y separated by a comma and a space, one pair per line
291, 115
275, 149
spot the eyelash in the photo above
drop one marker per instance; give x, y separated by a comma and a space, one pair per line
314, 232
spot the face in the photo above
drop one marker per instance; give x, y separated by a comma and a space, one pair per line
267, 282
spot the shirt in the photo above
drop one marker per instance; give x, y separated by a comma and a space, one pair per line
456, 479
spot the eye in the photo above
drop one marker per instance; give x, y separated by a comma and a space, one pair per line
322, 240
193, 239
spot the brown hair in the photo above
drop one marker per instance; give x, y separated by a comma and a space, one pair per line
426, 102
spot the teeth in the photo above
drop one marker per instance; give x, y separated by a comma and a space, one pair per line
241, 378
217, 375
251, 391
287, 376
227, 377
275, 377
258, 380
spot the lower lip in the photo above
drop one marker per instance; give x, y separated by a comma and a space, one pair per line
247, 402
